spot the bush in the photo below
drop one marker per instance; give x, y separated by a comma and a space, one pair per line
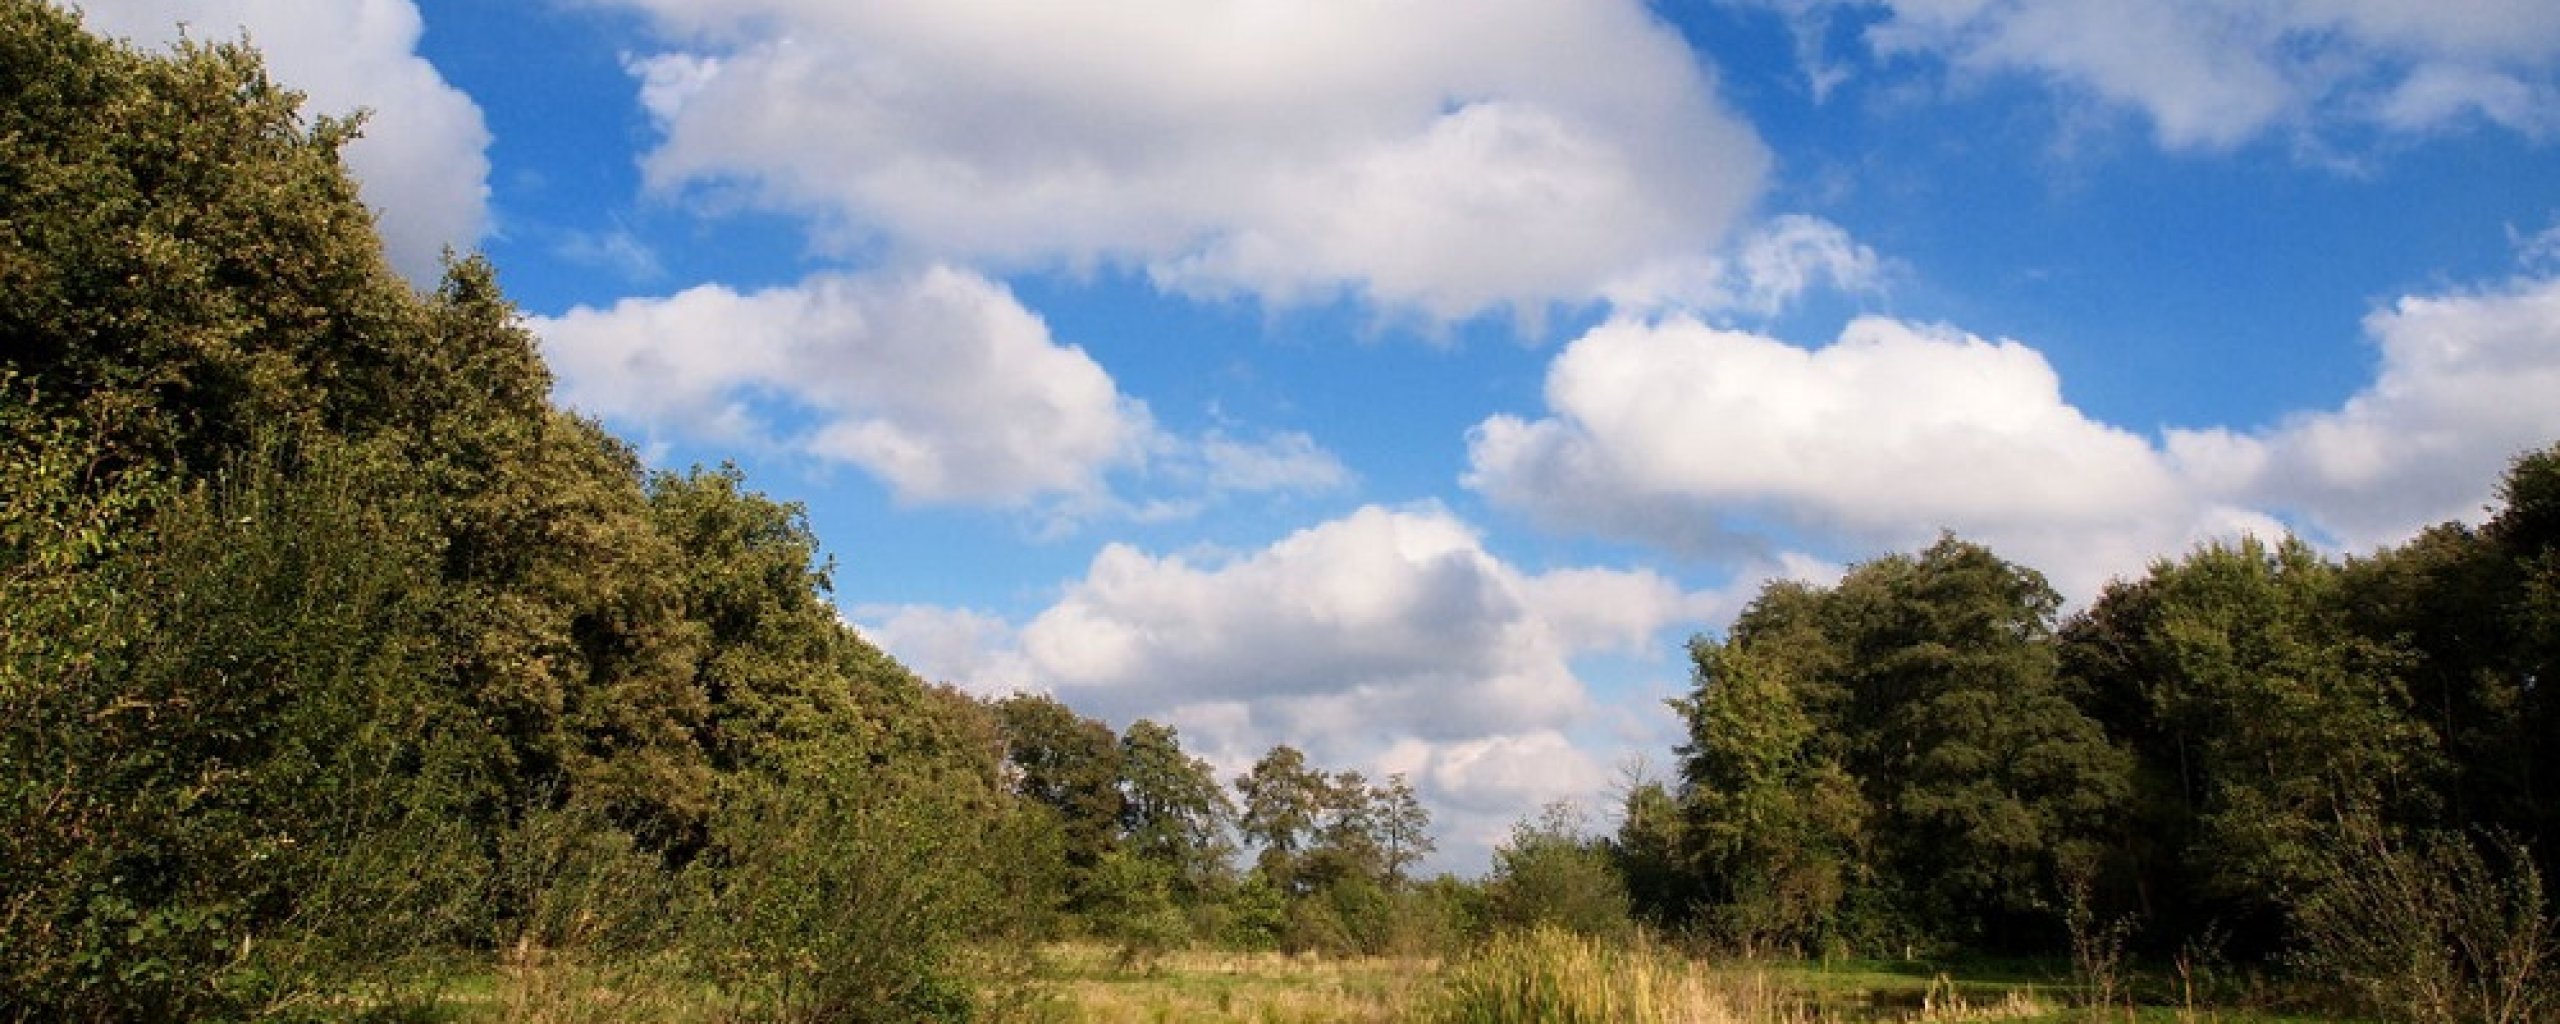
222, 790
2432, 931
838, 905
1550, 874
1257, 915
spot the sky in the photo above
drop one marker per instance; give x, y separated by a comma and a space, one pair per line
1409, 380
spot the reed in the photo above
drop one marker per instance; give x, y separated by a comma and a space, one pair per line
1553, 976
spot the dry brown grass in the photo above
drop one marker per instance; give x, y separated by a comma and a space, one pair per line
1086, 984
1548, 978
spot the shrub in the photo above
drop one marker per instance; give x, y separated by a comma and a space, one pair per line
2431, 930
838, 905
1551, 874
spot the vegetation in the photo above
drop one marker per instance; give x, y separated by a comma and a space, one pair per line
344, 677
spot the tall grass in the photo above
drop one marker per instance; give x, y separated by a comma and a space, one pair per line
1552, 976
1549, 975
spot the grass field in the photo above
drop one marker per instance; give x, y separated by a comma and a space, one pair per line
1087, 983
1084, 983
1549, 980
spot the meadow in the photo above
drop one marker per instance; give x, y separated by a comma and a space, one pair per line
1547, 975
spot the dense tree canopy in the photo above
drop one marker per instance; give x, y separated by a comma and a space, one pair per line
1921, 752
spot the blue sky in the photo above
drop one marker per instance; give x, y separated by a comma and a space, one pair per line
1406, 381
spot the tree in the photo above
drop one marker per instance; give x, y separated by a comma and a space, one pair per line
2260, 720
1282, 799
1071, 765
1650, 851
1404, 828
1173, 812
225, 783
1899, 743
1772, 828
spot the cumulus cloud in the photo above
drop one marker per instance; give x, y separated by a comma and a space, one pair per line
1716, 441
1399, 608
1448, 157
2465, 384
1389, 640
2214, 73
955, 645
423, 162
937, 382
1713, 440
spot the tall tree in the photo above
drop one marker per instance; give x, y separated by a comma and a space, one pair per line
2261, 722
1772, 828
1928, 682
1283, 800
1173, 811
1070, 764
1404, 828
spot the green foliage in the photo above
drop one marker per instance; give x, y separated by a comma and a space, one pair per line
1650, 852
227, 744
1257, 915
1069, 764
2259, 721
1893, 756
177, 242
1173, 812
332, 655
1133, 905
1549, 874
1282, 801
832, 905
1774, 827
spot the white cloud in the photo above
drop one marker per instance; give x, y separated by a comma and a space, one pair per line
1447, 157
1710, 440
616, 250
1286, 461
973, 650
2466, 384
422, 163
1704, 438
2214, 73
1399, 608
937, 382
1765, 272
1388, 640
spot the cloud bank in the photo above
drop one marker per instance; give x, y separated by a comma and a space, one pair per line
1443, 157
1712, 441
936, 381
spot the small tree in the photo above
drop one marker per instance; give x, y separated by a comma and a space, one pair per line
1404, 828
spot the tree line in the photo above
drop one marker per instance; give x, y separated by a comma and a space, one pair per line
2230, 753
